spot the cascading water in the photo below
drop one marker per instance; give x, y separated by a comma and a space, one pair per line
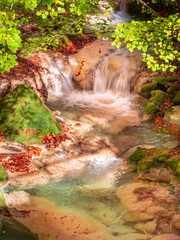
108, 77
60, 81
111, 84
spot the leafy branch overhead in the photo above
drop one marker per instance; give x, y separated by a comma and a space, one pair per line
51, 21
47, 23
158, 37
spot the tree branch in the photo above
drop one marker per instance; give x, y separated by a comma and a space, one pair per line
152, 10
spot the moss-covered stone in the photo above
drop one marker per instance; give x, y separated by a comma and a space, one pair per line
137, 155
164, 80
173, 162
24, 117
177, 170
157, 157
157, 98
173, 89
155, 82
149, 86
151, 108
176, 99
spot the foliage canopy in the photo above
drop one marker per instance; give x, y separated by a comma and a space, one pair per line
158, 37
49, 19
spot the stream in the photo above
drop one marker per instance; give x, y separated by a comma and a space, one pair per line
112, 112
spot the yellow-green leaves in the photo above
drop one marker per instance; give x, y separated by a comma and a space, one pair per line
157, 39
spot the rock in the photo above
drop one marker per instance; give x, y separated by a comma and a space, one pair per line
148, 227
31, 73
173, 115
166, 237
121, 230
134, 236
17, 199
130, 151
155, 210
133, 208
157, 157
25, 118
170, 145
86, 60
61, 223
142, 80
157, 98
117, 125
11, 148
123, 143
176, 221
176, 99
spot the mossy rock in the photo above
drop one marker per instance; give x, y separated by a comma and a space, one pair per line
164, 80
153, 83
176, 99
149, 86
177, 170
137, 155
3, 174
25, 118
173, 89
157, 98
151, 108
145, 163
173, 162
157, 158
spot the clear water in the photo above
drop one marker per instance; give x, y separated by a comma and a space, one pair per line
93, 192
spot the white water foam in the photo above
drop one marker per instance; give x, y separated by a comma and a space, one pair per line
60, 80
115, 81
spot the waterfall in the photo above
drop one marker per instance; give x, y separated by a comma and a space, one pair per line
59, 80
112, 74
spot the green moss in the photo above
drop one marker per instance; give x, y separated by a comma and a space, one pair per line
157, 81
149, 86
176, 99
177, 170
150, 108
173, 162
156, 157
3, 174
137, 155
157, 98
173, 89
164, 80
22, 113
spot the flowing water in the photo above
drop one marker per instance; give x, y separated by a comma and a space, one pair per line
111, 109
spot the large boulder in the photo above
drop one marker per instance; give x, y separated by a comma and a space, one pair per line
86, 60
90, 57
25, 118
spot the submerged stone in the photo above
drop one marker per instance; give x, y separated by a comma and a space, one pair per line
25, 118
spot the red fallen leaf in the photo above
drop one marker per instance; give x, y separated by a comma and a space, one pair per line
77, 125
